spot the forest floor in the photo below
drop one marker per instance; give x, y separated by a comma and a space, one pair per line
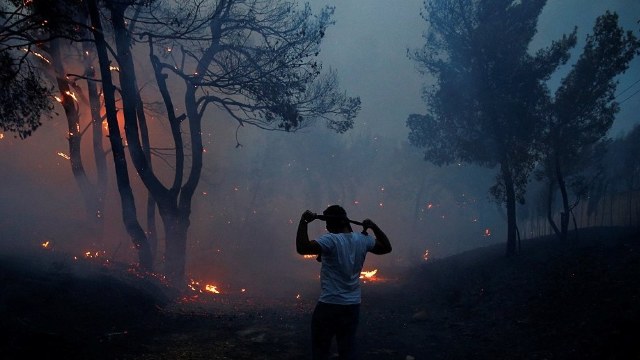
577, 300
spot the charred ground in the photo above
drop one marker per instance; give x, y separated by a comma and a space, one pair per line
577, 300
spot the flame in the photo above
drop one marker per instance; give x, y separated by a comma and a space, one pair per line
196, 286
309, 256
94, 254
368, 274
58, 99
37, 55
64, 155
212, 288
46, 244
72, 94
426, 255
114, 68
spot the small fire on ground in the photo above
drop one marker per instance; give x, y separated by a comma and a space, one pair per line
369, 275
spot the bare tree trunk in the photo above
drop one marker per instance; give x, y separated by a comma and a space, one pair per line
564, 215
129, 215
152, 236
511, 210
99, 155
550, 219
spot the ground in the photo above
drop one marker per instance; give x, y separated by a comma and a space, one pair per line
573, 300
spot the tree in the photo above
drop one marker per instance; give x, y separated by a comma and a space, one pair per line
584, 108
50, 35
488, 93
24, 99
255, 60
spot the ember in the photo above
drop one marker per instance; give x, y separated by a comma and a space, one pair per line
198, 287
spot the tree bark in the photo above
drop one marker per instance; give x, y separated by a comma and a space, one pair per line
552, 223
74, 134
129, 214
512, 229
564, 215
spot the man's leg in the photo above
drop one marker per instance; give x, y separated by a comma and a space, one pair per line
321, 332
346, 331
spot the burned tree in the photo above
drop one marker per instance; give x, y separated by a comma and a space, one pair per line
254, 60
52, 36
488, 95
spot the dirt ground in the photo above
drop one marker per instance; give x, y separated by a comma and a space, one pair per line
578, 300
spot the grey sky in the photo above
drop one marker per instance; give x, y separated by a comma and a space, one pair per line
367, 46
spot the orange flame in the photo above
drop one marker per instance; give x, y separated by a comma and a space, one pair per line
368, 274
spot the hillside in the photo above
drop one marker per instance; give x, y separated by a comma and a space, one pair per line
578, 300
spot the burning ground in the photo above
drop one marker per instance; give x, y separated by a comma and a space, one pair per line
553, 301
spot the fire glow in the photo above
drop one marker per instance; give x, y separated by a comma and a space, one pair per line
369, 275
206, 288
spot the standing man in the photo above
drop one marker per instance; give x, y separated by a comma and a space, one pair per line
342, 252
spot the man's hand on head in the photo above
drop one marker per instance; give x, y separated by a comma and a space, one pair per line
309, 216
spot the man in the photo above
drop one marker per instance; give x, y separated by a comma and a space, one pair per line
342, 252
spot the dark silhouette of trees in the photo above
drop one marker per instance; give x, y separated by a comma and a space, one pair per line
254, 60
24, 99
488, 94
583, 109
51, 38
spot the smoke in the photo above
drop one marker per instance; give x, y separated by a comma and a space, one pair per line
250, 197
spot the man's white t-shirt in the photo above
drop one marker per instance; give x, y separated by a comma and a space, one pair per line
343, 256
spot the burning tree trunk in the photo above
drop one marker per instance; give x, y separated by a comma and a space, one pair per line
69, 101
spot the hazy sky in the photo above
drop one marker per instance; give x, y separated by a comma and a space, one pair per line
368, 44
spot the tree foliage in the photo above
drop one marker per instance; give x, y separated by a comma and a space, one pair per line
584, 108
488, 92
254, 60
23, 98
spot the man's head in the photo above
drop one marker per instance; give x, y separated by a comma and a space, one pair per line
337, 220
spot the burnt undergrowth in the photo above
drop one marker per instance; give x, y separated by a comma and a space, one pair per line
572, 300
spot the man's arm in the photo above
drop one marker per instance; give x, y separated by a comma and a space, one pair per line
304, 246
382, 245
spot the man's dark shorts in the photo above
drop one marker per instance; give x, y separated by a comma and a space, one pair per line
331, 320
